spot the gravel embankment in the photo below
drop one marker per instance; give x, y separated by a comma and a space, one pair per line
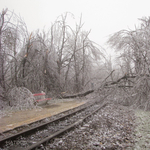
110, 128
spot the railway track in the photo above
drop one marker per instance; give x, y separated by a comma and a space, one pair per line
13, 133
42, 131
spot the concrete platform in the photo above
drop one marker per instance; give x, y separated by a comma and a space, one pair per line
18, 118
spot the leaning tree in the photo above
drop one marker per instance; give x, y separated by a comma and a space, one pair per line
134, 48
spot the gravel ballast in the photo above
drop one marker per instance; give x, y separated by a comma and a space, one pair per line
110, 128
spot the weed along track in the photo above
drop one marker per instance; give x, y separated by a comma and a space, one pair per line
42, 131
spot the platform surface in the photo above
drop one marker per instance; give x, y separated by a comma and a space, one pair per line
18, 118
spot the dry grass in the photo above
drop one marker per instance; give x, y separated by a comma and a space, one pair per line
142, 132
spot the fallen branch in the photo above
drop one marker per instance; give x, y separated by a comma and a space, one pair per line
125, 86
106, 85
78, 95
116, 82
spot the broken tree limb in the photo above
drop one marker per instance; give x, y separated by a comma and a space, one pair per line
108, 77
78, 95
116, 82
106, 85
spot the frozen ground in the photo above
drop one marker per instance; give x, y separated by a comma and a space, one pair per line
142, 132
110, 129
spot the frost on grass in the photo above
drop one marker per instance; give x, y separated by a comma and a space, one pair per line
111, 128
142, 132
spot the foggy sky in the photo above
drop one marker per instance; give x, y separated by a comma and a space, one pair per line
103, 17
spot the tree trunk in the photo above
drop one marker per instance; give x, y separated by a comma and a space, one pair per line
2, 79
79, 94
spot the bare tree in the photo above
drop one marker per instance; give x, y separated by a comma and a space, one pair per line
58, 60
135, 53
2, 79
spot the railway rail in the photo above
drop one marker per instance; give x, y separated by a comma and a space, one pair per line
12, 133
40, 132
